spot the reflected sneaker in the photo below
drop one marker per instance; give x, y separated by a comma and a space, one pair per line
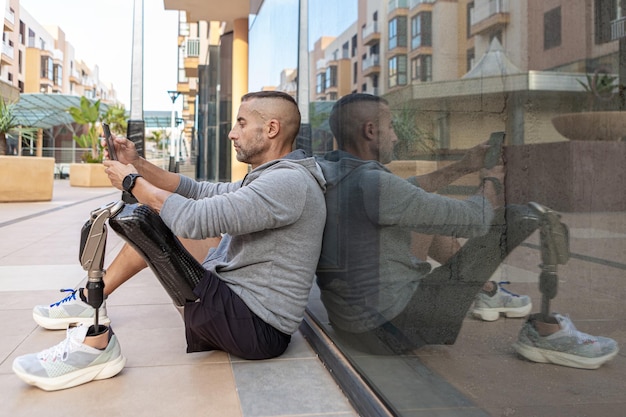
489, 307
73, 309
71, 362
567, 347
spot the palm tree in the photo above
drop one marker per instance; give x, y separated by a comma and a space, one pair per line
116, 117
88, 114
10, 125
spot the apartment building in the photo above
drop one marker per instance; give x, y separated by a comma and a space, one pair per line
430, 50
38, 59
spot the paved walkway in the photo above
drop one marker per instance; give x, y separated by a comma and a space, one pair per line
39, 255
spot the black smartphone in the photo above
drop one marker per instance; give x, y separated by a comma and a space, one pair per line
495, 142
109, 140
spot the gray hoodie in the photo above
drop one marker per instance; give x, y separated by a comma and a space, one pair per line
367, 273
271, 225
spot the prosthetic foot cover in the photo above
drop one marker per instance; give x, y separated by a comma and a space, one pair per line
143, 229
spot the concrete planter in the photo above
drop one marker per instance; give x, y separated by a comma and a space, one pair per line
594, 126
88, 175
26, 178
571, 176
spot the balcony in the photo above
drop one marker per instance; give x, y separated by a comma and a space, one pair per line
9, 20
8, 53
371, 34
397, 4
191, 54
489, 16
618, 29
371, 65
74, 77
415, 3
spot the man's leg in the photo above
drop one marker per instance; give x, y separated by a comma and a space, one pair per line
435, 313
74, 309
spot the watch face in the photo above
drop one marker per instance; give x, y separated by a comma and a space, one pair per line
127, 182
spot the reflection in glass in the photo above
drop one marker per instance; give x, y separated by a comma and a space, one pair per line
550, 77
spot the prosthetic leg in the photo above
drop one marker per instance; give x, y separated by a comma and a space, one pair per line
554, 237
92, 247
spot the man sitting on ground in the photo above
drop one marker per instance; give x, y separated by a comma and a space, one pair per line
255, 284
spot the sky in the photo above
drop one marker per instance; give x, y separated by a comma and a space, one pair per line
273, 50
101, 33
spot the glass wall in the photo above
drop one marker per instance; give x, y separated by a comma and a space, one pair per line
443, 306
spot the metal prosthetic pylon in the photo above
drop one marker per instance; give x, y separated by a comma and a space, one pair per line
554, 236
91, 256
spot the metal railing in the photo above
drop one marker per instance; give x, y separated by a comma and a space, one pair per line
193, 48
618, 28
415, 3
371, 61
369, 30
486, 9
397, 4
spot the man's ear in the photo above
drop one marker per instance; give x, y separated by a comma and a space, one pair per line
273, 128
369, 131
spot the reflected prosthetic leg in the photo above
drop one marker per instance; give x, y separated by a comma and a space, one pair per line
92, 247
554, 251
177, 270
435, 313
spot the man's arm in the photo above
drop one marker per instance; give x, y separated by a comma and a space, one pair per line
472, 161
160, 178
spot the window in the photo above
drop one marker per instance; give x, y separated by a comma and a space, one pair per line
468, 21
355, 72
321, 83
31, 38
605, 11
552, 28
397, 71
363, 87
422, 68
331, 76
397, 32
58, 75
354, 46
421, 30
22, 33
471, 56
47, 67
345, 50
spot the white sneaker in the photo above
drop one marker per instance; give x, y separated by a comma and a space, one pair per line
566, 347
503, 302
71, 362
69, 311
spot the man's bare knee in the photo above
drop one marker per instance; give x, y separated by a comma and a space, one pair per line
199, 248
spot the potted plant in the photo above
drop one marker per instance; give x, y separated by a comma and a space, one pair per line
90, 173
598, 122
23, 178
415, 147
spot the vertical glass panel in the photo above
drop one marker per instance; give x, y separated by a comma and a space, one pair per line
443, 305
439, 304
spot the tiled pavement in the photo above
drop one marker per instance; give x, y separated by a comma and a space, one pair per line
479, 375
39, 255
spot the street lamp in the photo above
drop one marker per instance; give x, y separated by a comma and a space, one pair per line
173, 96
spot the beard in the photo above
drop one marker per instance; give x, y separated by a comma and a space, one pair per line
251, 151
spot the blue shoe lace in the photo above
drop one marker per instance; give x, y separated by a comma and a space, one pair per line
70, 297
500, 285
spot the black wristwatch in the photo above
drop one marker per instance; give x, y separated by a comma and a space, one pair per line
129, 182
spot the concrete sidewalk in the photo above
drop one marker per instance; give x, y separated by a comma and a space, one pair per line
39, 244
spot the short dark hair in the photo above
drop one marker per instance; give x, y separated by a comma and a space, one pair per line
269, 94
340, 118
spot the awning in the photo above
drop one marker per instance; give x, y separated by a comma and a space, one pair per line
47, 110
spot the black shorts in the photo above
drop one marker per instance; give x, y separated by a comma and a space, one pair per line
220, 320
